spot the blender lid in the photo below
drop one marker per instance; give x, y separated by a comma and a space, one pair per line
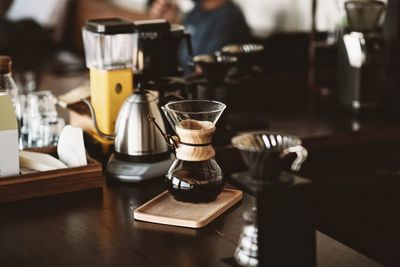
110, 26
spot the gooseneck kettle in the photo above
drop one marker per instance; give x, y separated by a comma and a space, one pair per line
140, 152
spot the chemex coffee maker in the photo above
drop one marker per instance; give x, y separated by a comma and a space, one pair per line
194, 176
119, 50
362, 57
280, 228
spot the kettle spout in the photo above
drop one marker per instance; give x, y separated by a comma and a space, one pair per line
109, 137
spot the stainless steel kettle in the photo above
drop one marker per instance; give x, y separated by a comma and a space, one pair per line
135, 135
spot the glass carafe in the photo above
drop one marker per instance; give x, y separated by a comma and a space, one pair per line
195, 175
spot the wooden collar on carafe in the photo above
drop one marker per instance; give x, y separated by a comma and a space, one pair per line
195, 140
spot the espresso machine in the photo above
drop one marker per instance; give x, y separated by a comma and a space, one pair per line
109, 46
362, 57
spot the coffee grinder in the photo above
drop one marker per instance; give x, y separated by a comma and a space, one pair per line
362, 57
109, 47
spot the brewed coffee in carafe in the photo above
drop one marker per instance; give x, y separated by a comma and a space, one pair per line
194, 176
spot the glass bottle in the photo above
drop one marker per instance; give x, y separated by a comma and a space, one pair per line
7, 83
195, 175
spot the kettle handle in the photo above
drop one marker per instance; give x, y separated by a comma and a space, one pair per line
171, 140
169, 119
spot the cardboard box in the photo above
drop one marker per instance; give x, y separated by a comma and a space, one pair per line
9, 157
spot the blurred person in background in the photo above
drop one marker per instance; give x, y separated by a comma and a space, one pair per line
211, 23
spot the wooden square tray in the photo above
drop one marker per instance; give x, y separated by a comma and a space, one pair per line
53, 182
164, 209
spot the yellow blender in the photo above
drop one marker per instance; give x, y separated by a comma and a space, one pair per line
109, 48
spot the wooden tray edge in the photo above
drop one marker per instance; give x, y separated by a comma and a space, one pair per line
141, 216
238, 195
41, 189
53, 182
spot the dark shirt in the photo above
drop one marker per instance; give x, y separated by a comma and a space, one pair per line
213, 29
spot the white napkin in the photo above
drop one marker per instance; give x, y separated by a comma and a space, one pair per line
39, 161
71, 148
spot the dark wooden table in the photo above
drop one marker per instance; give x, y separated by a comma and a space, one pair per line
357, 205
94, 228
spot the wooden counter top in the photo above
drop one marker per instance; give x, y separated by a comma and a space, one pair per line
97, 229
348, 154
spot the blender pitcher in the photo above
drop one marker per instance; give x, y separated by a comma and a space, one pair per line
194, 176
109, 47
